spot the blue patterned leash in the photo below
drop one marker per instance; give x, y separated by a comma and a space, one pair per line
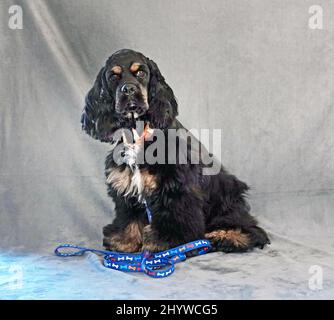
156, 265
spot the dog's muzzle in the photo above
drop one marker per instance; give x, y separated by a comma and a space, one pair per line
132, 103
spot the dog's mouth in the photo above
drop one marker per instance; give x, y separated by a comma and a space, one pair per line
131, 108
135, 125
134, 110
132, 115
132, 121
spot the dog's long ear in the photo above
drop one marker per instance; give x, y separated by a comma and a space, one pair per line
96, 118
162, 103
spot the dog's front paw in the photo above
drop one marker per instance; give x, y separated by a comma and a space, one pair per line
115, 243
151, 243
258, 237
127, 240
109, 244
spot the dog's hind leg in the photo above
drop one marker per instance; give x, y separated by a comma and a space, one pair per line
229, 225
237, 240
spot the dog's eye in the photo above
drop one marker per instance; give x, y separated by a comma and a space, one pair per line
140, 74
114, 76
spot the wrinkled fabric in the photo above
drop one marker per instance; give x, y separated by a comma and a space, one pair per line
251, 68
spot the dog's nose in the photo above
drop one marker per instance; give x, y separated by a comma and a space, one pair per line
129, 89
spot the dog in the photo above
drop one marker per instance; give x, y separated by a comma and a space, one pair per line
186, 205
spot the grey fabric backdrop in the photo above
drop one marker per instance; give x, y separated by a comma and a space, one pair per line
252, 68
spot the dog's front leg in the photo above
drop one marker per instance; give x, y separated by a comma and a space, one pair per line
124, 234
176, 221
125, 239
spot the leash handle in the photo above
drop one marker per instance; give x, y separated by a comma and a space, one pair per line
79, 250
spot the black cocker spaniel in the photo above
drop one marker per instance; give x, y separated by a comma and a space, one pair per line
186, 205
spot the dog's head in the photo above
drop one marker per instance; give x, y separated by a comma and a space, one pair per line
128, 88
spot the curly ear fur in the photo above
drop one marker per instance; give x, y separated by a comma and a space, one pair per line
97, 116
163, 105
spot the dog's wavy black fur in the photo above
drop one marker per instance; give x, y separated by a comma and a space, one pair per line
185, 204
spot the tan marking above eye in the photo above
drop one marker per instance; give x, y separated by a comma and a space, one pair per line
134, 67
116, 70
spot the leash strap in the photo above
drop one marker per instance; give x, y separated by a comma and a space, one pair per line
155, 265
148, 211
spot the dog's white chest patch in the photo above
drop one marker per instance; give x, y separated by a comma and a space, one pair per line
132, 183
